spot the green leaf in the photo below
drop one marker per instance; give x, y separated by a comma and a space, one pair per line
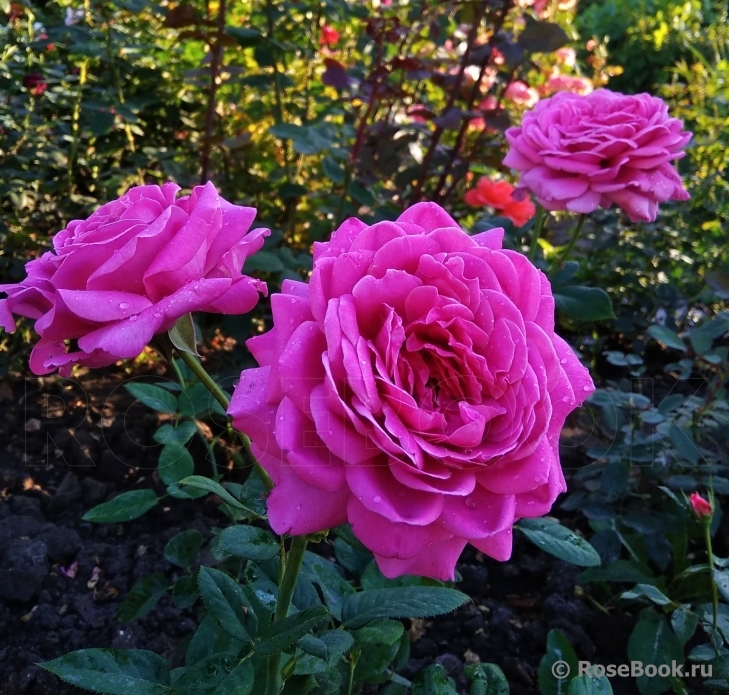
583, 303
553, 538
590, 685
722, 583
560, 660
249, 542
225, 602
338, 642
182, 549
153, 397
288, 131
245, 36
618, 571
487, 679
100, 122
684, 622
433, 680
314, 646
264, 261
377, 644
653, 642
180, 435
287, 191
666, 337
124, 507
209, 639
182, 335
402, 602
113, 671
184, 591
290, 630
216, 675
332, 170
175, 463
647, 591
143, 597
202, 483
541, 37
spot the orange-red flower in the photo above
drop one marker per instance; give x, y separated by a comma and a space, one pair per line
329, 36
499, 196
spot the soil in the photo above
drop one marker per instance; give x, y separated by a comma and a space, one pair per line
62, 579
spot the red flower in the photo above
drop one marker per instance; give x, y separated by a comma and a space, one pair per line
499, 196
701, 506
329, 36
35, 83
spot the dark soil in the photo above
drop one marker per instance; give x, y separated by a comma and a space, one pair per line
62, 579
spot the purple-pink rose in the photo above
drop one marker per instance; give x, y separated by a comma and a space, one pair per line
130, 271
414, 388
579, 153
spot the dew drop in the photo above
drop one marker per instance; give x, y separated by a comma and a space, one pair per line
378, 499
470, 503
281, 418
563, 360
298, 507
133, 317
124, 305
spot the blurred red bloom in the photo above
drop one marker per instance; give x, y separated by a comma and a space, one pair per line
329, 36
701, 506
499, 196
35, 83
522, 94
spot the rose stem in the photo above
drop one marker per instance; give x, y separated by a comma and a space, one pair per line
206, 380
537, 233
568, 249
291, 566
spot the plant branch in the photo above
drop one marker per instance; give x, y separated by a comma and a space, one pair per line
291, 566
564, 255
216, 50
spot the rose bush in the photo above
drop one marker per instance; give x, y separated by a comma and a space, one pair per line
414, 388
130, 271
579, 153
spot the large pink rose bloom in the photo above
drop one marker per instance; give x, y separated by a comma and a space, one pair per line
130, 271
414, 388
579, 153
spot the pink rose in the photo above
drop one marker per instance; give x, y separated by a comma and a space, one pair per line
521, 94
582, 152
130, 271
567, 83
415, 388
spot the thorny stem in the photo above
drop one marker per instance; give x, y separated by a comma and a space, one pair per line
290, 567
216, 50
75, 127
221, 397
706, 523
568, 249
438, 132
455, 150
277, 90
537, 232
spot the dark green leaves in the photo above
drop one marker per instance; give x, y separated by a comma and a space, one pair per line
402, 602
227, 604
202, 483
249, 542
558, 666
113, 671
666, 337
216, 675
182, 549
124, 507
583, 303
553, 538
153, 397
143, 597
541, 37
653, 642
290, 630
175, 463
487, 679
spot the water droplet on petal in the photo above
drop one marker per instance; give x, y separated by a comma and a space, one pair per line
470, 503
586, 387
281, 418
124, 305
378, 499
133, 317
